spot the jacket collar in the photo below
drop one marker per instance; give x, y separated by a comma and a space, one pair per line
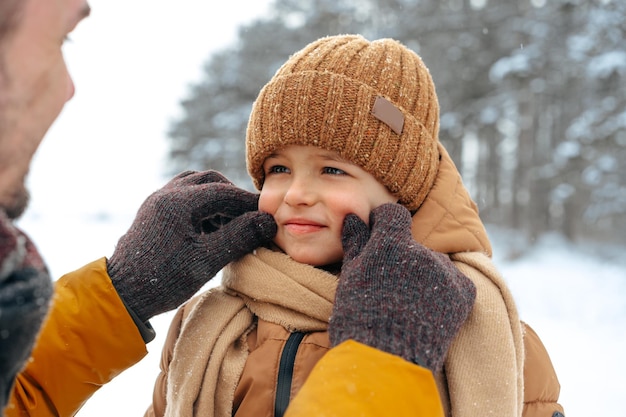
448, 220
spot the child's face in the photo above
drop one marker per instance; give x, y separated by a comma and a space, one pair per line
309, 191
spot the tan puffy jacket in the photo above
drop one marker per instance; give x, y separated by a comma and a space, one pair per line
257, 391
448, 222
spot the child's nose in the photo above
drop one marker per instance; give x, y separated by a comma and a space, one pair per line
301, 191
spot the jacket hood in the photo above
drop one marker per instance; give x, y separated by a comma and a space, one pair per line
448, 220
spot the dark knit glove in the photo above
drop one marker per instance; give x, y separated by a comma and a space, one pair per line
182, 236
25, 292
396, 295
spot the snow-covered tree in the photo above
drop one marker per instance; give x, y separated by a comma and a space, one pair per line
533, 104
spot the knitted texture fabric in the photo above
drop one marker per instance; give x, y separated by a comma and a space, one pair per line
395, 294
374, 103
25, 293
211, 348
182, 236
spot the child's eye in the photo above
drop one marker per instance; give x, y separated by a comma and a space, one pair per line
278, 169
333, 171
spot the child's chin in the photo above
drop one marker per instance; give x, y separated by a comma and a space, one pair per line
316, 261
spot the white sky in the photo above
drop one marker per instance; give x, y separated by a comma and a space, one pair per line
132, 62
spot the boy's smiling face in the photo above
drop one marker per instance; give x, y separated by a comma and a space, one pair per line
309, 191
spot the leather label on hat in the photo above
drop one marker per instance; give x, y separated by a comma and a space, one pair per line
385, 111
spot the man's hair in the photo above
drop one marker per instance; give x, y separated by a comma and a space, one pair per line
10, 13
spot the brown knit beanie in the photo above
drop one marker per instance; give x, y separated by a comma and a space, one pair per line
374, 103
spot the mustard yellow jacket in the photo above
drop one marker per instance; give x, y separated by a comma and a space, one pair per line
89, 338
353, 379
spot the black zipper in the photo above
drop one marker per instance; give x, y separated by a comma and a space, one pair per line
285, 373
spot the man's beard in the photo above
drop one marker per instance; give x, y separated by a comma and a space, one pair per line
20, 196
17, 206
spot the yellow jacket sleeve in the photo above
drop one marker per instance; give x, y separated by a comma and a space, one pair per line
353, 379
87, 339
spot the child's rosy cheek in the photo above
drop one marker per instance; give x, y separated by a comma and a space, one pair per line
269, 202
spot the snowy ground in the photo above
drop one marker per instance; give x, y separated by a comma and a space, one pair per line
575, 298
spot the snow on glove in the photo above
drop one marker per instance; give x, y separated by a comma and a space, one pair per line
395, 294
182, 236
25, 292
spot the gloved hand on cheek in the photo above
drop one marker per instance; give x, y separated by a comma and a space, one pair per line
182, 236
396, 295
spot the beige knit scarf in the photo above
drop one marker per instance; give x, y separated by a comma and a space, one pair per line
211, 349
485, 364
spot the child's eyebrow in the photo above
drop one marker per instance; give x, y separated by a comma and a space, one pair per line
319, 153
333, 156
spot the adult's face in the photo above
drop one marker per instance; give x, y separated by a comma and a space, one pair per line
34, 86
